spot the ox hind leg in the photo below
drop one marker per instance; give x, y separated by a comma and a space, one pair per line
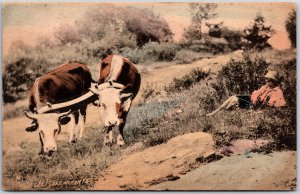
82, 119
108, 137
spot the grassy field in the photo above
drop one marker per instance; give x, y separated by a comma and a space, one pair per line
165, 112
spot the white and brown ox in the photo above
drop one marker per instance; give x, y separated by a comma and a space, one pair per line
118, 84
55, 99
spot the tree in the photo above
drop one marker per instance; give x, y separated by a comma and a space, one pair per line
200, 12
147, 26
143, 24
290, 25
214, 29
258, 34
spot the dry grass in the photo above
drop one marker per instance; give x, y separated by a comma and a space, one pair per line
12, 110
152, 123
25, 170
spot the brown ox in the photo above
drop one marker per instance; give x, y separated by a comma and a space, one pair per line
64, 83
118, 84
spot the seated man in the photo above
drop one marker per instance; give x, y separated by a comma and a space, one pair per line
268, 95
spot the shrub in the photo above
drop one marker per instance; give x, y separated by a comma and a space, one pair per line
131, 54
186, 56
18, 76
233, 37
149, 91
11, 110
279, 125
243, 77
211, 45
179, 84
142, 24
158, 52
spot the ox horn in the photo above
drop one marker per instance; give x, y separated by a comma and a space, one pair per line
103, 86
30, 116
65, 114
94, 88
117, 85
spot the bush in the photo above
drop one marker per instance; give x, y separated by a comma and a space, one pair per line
131, 54
279, 125
179, 84
233, 37
188, 56
18, 76
158, 52
211, 45
142, 25
243, 77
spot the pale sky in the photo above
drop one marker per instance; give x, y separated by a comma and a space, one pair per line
27, 21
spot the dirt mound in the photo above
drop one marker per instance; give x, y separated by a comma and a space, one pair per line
275, 171
159, 163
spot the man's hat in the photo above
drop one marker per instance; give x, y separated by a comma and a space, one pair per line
272, 74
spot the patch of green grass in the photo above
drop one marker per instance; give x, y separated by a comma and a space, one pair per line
140, 116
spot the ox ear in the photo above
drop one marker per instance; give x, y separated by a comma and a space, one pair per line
34, 126
94, 88
64, 120
125, 96
126, 99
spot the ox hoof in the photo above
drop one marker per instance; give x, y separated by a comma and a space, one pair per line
120, 142
74, 140
108, 143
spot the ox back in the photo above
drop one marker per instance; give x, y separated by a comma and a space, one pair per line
64, 83
128, 75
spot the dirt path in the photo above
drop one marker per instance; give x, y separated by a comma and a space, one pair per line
13, 130
162, 77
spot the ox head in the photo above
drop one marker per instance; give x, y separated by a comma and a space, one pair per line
48, 126
113, 102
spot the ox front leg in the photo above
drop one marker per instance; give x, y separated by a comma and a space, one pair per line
108, 137
120, 138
